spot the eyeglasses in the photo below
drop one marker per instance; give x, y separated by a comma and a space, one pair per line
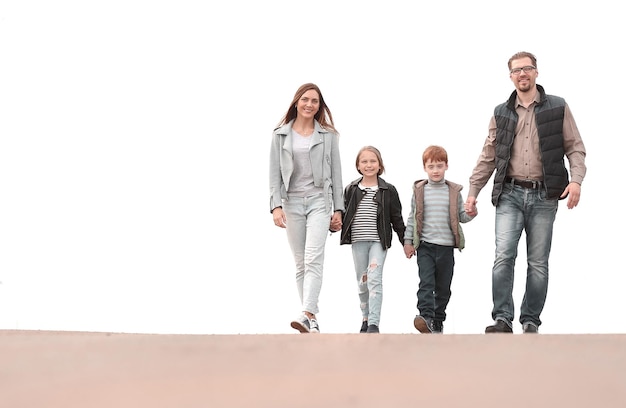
526, 69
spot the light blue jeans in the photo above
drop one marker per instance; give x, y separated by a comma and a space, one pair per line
308, 222
369, 259
521, 209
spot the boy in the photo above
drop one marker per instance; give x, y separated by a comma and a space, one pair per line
433, 231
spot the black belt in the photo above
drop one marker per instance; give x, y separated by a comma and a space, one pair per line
532, 184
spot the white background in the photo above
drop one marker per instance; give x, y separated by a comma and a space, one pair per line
134, 147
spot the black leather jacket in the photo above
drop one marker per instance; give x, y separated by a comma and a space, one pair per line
389, 212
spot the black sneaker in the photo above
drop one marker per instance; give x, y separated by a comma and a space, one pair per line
423, 324
372, 328
437, 326
530, 328
500, 327
363, 327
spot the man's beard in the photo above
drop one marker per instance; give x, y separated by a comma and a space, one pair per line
526, 87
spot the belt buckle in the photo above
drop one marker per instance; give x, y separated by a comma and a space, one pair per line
534, 183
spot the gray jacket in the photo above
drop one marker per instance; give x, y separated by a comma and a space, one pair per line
325, 163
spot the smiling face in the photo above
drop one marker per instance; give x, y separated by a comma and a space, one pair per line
523, 81
308, 104
368, 164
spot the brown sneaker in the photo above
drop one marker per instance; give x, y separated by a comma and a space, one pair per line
500, 327
423, 324
530, 328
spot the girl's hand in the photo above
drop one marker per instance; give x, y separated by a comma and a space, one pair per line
335, 221
409, 250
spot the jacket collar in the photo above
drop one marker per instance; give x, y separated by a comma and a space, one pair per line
381, 183
286, 128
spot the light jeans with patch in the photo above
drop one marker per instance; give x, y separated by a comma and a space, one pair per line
369, 259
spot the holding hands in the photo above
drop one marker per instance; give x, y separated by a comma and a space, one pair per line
409, 250
470, 206
335, 221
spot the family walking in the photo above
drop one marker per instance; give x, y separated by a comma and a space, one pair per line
529, 137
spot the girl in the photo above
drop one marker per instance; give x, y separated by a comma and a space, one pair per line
373, 209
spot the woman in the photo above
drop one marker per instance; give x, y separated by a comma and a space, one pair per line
306, 191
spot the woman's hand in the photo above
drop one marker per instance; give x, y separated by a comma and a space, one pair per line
279, 217
335, 221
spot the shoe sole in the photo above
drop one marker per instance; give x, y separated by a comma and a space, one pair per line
421, 325
300, 327
493, 330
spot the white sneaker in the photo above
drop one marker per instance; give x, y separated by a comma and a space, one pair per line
302, 324
315, 327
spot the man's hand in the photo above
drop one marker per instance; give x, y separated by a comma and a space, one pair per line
470, 206
573, 190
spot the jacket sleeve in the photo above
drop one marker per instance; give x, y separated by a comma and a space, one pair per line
410, 223
336, 175
463, 216
276, 178
396, 214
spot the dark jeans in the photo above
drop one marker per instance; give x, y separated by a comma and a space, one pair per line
436, 267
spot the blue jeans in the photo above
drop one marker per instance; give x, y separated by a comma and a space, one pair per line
521, 209
307, 229
369, 259
436, 268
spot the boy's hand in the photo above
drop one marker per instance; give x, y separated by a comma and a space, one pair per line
409, 250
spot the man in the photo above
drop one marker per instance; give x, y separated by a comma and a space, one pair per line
529, 136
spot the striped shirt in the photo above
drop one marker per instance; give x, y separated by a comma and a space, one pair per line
436, 228
364, 224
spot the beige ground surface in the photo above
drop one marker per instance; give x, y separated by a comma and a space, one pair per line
41, 369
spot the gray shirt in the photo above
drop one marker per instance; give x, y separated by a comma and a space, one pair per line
301, 183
